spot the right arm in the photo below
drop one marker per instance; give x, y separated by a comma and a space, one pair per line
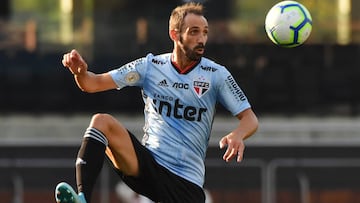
87, 81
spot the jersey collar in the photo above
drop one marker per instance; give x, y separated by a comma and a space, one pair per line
187, 69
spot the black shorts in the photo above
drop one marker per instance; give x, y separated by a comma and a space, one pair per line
158, 183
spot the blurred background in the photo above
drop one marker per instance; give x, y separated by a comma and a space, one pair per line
307, 98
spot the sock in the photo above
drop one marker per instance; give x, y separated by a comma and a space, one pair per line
90, 160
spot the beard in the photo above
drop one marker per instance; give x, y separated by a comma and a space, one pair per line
191, 53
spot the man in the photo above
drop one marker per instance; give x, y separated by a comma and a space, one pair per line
180, 91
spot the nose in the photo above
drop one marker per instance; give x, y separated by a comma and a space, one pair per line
202, 38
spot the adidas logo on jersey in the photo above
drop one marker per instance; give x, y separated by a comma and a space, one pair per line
163, 83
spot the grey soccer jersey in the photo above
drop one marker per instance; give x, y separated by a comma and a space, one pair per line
180, 107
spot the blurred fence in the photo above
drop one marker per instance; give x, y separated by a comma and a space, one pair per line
256, 180
298, 160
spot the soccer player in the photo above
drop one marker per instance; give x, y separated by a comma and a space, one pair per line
180, 91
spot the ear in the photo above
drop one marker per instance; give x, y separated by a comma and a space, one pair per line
174, 35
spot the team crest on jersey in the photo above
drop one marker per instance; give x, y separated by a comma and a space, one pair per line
201, 86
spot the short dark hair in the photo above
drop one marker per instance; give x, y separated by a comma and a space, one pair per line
178, 14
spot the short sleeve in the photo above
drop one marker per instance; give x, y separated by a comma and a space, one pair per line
130, 74
230, 95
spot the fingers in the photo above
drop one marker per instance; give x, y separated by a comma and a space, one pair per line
71, 59
65, 60
240, 152
233, 150
74, 62
231, 153
222, 142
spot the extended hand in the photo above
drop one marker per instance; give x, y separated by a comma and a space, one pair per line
235, 147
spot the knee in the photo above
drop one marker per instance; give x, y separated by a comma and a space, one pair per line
102, 121
109, 126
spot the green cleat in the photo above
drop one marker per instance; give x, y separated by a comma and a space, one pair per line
64, 193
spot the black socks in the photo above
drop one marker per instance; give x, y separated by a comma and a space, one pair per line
90, 160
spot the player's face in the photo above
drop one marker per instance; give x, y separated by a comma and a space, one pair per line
194, 36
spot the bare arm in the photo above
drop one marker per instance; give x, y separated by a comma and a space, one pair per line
234, 141
87, 81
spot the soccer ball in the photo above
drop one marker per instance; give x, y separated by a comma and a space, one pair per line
288, 24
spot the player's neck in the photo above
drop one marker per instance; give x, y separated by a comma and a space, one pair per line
181, 61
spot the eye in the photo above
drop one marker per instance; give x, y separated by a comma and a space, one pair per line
194, 32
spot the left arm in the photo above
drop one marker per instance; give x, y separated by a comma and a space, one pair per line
248, 124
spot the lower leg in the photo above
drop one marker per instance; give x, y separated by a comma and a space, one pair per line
89, 161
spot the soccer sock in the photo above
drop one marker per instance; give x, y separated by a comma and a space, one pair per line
90, 160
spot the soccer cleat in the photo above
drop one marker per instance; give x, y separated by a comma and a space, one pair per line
64, 193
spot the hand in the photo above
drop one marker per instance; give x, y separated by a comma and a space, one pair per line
235, 147
74, 62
